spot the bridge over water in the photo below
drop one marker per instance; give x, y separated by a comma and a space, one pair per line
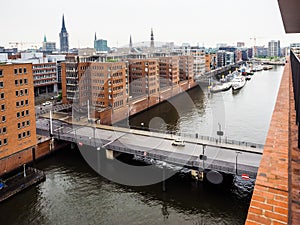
200, 152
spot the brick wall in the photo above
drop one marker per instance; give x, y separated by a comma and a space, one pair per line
270, 200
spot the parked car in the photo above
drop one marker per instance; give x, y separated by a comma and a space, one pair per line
178, 142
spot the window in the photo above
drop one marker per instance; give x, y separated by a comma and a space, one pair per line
26, 91
16, 82
3, 119
23, 124
17, 93
25, 81
2, 96
25, 70
1, 84
18, 115
28, 123
0, 142
16, 71
24, 134
4, 130
19, 136
2, 107
17, 104
27, 112
22, 103
21, 92
19, 125
22, 113
20, 70
21, 82
26, 102
5, 141
28, 133
1, 73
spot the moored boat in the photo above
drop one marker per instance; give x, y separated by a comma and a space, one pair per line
238, 83
220, 87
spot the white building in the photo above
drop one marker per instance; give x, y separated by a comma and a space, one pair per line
274, 49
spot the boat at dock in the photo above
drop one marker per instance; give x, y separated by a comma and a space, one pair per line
220, 87
238, 83
267, 67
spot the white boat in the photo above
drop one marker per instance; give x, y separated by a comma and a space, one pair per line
238, 83
220, 87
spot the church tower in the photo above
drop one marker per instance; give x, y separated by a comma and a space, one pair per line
152, 40
64, 37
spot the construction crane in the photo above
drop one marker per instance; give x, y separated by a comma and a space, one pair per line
21, 44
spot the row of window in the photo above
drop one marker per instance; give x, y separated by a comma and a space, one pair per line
24, 124
21, 82
24, 134
3, 142
21, 92
20, 71
23, 113
22, 103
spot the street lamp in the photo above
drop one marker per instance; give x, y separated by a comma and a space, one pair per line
220, 132
236, 158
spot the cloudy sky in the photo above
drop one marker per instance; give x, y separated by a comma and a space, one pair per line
205, 22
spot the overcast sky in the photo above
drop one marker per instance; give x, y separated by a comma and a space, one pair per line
194, 21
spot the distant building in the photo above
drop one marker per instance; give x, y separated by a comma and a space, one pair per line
229, 60
261, 51
245, 56
230, 49
143, 77
64, 37
240, 44
221, 58
186, 72
250, 53
152, 41
198, 54
17, 126
100, 45
274, 49
48, 46
168, 68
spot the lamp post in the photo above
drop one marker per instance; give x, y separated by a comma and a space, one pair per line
220, 132
236, 159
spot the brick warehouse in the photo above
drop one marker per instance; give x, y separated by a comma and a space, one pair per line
17, 126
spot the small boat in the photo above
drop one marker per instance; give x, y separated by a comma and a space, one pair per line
267, 67
248, 77
238, 83
257, 68
220, 87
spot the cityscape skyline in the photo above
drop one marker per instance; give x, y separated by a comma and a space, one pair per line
234, 22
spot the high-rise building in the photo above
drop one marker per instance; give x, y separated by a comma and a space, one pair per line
221, 58
48, 46
17, 118
64, 37
240, 44
274, 49
100, 45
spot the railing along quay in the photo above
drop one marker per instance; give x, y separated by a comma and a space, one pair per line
295, 64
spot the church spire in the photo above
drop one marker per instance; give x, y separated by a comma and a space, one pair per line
152, 40
63, 27
130, 43
95, 36
45, 39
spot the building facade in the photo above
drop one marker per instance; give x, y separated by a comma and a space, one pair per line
143, 77
274, 49
186, 71
168, 71
102, 85
17, 125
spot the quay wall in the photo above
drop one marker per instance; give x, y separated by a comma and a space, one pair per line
27, 156
270, 199
138, 105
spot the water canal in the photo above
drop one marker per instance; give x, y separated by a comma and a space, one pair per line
74, 194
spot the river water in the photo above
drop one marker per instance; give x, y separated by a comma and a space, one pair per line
74, 194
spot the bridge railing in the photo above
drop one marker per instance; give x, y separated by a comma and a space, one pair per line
217, 140
295, 64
